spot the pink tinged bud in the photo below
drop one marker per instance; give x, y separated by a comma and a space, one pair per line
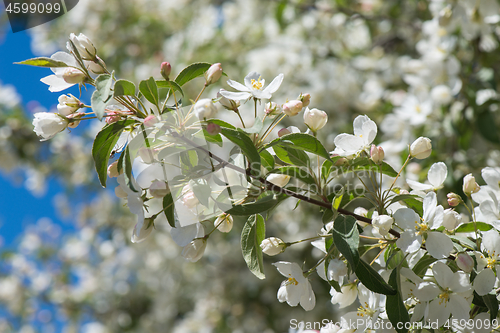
272, 109
315, 119
341, 161
150, 120
112, 117
283, 131
213, 129
213, 74
159, 189
73, 75
147, 155
377, 154
224, 223
453, 199
465, 262
113, 170
404, 191
421, 148
194, 250
305, 99
74, 119
292, 108
165, 70
470, 186
272, 246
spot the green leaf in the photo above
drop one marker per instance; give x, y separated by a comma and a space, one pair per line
101, 95
256, 128
169, 209
291, 155
464, 242
469, 227
191, 72
302, 141
423, 264
296, 172
42, 62
217, 139
221, 123
328, 216
365, 164
103, 145
332, 283
492, 305
346, 238
201, 190
124, 88
395, 259
149, 90
267, 159
172, 85
259, 206
246, 145
326, 168
253, 233
127, 169
188, 160
412, 201
372, 280
394, 306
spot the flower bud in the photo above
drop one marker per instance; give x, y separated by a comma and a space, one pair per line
279, 180
315, 119
213, 74
189, 199
341, 161
292, 108
150, 120
272, 109
336, 269
68, 104
159, 189
165, 70
451, 219
194, 250
112, 117
453, 199
213, 129
142, 230
74, 119
224, 223
113, 170
228, 104
47, 124
96, 67
305, 99
283, 131
383, 223
272, 246
465, 262
73, 75
470, 186
147, 155
377, 154
84, 46
205, 109
421, 148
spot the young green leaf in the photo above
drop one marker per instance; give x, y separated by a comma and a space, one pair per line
172, 85
42, 62
127, 169
267, 160
469, 227
491, 303
124, 88
423, 264
192, 72
149, 90
259, 206
253, 233
246, 145
291, 155
101, 95
372, 280
394, 305
103, 145
256, 128
302, 141
346, 238
169, 209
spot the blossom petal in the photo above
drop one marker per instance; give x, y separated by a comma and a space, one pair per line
406, 218
439, 311
426, 291
491, 241
418, 186
348, 142
443, 274
459, 307
275, 84
294, 293
369, 131
430, 203
182, 236
484, 282
437, 174
492, 177
308, 299
56, 83
237, 96
438, 245
358, 124
238, 86
289, 269
409, 242
248, 79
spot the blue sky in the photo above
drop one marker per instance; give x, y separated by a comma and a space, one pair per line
18, 207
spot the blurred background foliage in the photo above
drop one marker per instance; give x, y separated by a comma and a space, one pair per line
415, 67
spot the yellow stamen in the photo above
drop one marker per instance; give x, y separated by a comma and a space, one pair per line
256, 84
292, 280
365, 310
444, 296
421, 228
491, 262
